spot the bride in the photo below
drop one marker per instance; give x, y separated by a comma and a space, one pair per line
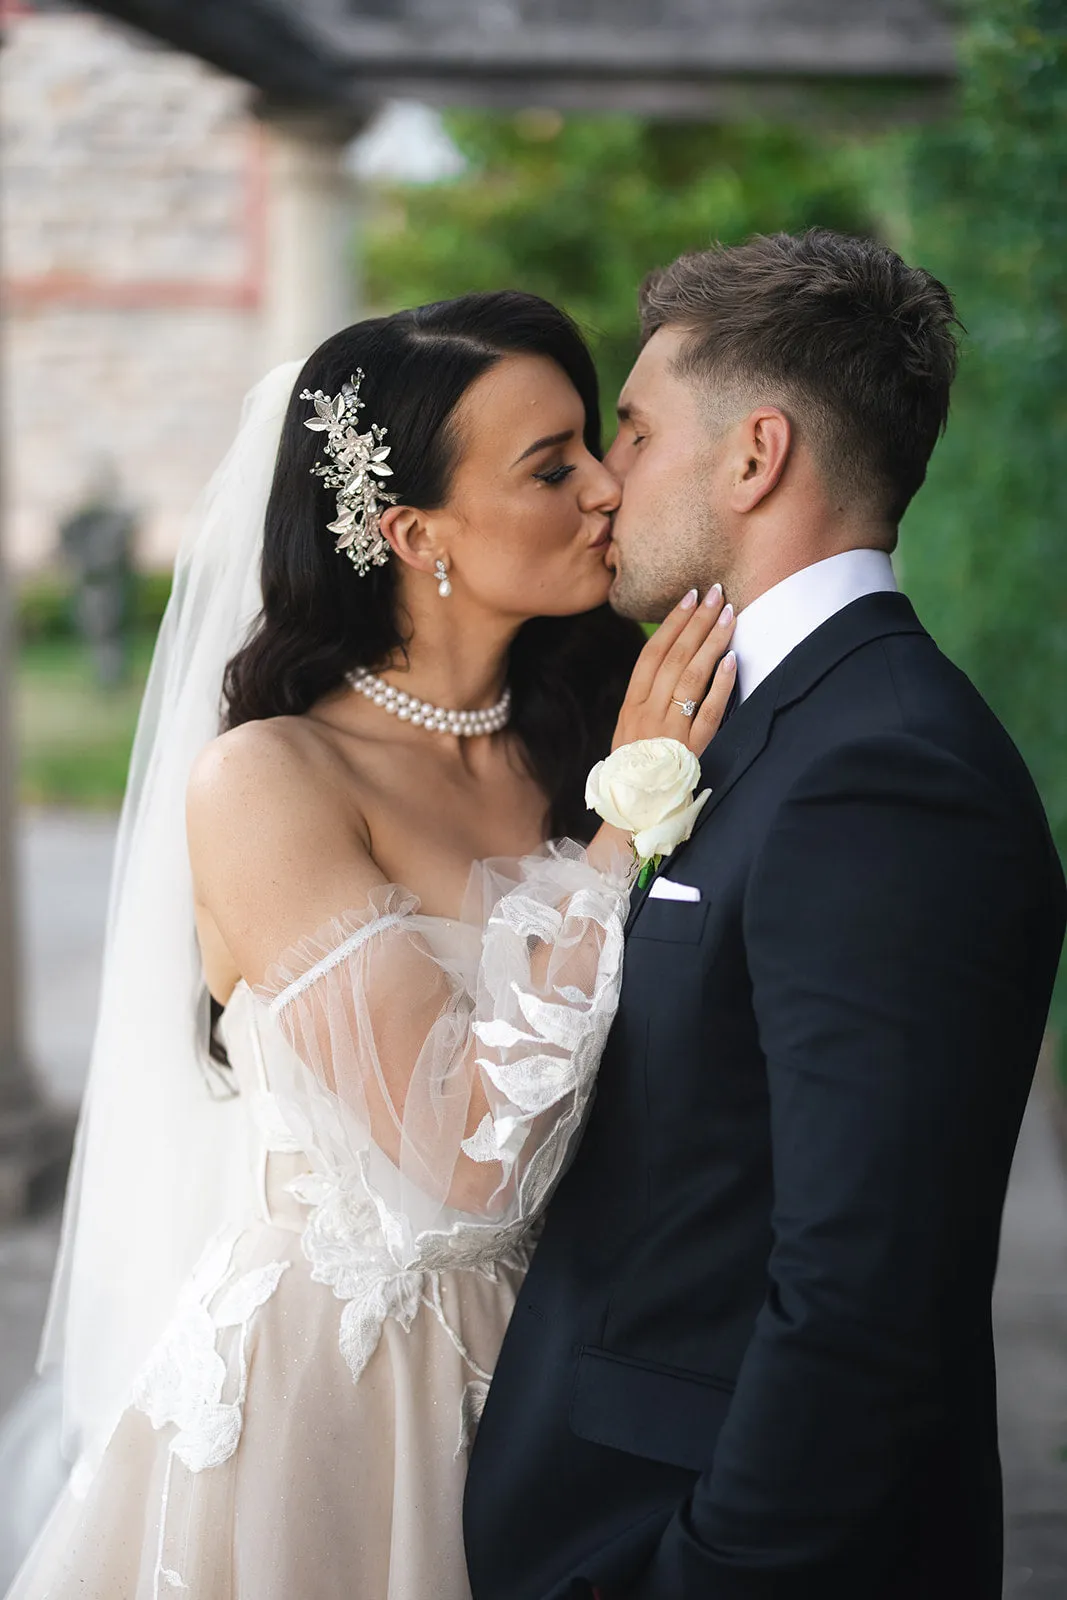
353, 1004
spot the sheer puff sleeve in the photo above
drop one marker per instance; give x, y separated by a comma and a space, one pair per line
438, 1071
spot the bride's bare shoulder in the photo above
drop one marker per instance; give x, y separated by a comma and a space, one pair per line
277, 840
266, 775
257, 761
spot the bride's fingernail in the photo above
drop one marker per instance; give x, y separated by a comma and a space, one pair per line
714, 595
726, 615
728, 662
689, 600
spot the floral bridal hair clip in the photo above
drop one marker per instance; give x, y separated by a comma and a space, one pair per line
354, 470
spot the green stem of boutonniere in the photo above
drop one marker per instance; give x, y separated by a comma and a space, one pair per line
648, 870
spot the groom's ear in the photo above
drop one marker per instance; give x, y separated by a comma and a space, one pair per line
763, 442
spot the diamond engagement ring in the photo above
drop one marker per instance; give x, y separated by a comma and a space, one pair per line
687, 707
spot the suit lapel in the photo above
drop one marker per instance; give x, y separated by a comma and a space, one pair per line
736, 746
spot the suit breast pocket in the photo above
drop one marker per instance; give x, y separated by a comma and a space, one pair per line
671, 921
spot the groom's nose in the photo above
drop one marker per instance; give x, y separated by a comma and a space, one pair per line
613, 461
601, 492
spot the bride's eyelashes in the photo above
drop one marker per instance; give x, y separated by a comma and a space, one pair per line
554, 474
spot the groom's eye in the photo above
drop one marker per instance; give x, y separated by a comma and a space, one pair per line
554, 474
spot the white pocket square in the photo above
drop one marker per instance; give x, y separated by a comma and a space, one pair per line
665, 889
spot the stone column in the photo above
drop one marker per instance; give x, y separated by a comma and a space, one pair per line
311, 232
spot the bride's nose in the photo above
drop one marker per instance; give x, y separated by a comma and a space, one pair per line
599, 491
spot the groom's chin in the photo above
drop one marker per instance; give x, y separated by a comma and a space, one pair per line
617, 602
618, 599
635, 607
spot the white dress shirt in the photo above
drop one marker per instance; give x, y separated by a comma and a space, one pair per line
779, 620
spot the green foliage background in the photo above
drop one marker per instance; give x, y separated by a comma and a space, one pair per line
985, 547
579, 209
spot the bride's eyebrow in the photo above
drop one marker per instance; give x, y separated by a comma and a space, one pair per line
544, 444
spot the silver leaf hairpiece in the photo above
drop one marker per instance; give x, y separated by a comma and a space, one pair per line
357, 462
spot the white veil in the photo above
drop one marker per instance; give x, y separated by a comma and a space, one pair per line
159, 1160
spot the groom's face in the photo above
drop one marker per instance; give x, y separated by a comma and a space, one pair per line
668, 535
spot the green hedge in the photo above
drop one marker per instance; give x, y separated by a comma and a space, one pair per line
44, 611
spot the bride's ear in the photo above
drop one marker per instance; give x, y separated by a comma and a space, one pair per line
409, 537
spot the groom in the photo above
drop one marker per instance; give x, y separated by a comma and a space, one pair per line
753, 1357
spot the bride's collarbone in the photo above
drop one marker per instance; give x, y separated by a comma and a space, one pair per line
430, 835
427, 810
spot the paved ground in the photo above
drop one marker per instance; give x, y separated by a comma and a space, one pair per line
65, 863
1030, 1312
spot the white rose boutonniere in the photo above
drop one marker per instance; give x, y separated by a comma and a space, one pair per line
647, 789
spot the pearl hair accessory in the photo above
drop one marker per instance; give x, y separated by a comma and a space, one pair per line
357, 462
421, 714
440, 572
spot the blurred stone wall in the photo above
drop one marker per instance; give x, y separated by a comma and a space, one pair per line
132, 259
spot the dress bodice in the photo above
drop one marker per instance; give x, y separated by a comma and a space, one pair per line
275, 1155
412, 1084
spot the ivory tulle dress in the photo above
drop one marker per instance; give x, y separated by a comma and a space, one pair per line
411, 1088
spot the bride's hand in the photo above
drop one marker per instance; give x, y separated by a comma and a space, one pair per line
678, 665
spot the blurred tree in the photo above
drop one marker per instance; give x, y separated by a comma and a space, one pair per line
580, 208
985, 549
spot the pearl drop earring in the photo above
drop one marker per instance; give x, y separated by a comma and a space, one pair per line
440, 572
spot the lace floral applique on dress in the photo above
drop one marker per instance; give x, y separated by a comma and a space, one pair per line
347, 1251
186, 1381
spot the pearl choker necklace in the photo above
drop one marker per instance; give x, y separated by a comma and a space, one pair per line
405, 707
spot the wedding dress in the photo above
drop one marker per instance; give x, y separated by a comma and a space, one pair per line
301, 1427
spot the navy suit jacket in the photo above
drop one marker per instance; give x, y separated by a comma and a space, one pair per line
753, 1357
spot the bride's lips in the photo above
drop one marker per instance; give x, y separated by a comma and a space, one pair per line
603, 541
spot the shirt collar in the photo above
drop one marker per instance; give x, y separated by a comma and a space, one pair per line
783, 617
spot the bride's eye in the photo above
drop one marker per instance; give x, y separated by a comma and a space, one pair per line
554, 474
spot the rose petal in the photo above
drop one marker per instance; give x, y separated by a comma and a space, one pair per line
665, 836
642, 783
598, 799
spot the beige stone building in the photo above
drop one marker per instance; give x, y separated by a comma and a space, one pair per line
154, 238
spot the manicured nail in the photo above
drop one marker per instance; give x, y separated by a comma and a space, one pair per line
689, 600
714, 595
728, 662
726, 615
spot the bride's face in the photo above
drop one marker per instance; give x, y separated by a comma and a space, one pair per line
528, 518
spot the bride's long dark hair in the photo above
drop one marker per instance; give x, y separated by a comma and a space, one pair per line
568, 675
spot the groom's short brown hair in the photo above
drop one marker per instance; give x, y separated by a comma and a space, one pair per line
857, 348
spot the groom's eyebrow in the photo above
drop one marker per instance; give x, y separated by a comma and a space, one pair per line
626, 411
545, 443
